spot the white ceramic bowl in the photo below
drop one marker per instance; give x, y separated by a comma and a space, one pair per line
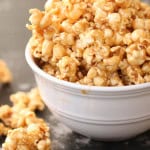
105, 113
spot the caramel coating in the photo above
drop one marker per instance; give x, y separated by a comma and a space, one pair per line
100, 34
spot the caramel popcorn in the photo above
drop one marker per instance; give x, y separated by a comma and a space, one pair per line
93, 42
34, 137
3, 129
21, 114
15, 119
5, 74
24, 130
31, 100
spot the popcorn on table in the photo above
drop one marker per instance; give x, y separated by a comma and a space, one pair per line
22, 128
5, 74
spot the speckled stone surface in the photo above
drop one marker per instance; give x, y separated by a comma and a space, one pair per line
13, 39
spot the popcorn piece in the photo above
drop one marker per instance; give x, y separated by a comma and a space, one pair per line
21, 114
114, 20
36, 16
115, 80
3, 129
146, 67
67, 67
15, 119
131, 74
58, 51
136, 54
47, 49
34, 137
31, 100
5, 112
5, 74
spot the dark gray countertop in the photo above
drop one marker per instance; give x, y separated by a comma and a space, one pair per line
13, 38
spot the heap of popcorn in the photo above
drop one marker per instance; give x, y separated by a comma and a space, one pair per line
23, 129
20, 124
93, 42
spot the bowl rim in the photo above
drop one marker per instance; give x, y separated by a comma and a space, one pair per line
77, 86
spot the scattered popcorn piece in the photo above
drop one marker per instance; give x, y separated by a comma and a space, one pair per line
24, 129
34, 137
21, 114
5, 74
31, 100
3, 129
5, 112
15, 119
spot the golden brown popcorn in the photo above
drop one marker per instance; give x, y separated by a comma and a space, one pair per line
31, 100
114, 20
22, 112
138, 23
14, 118
34, 137
115, 79
131, 74
92, 73
58, 51
67, 67
47, 49
112, 63
91, 34
95, 76
24, 130
100, 16
36, 102
3, 129
36, 16
80, 26
135, 75
148, 50
147, 78
5, 74
146, 67
127, 39
136, 54
99, 81
5, 112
